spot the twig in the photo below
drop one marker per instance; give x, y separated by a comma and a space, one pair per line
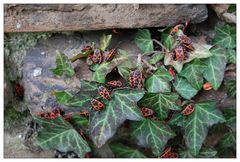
75, 58
150, 52
149, 65
160, 44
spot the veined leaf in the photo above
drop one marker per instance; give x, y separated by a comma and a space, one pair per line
168, 41
143, 40
177, 119
200, 51
100, 74
78, 121
193, 72
231, 87
214, 73
159, 81
156, 57
64, 66
63, 97
230, 116
89, 85
196, 125
207, 153
228, 140
152, 134
225, 36
124, 67
105, 41
122, 151
121, 107
231, 56
232, 8
160, 103
184, 88
60, 135
185, 154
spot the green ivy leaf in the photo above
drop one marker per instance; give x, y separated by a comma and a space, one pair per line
64, 66
196, 125
78, 121
193, 72
160, 103
159, 81
124, 67
185, 154
121, 107
231, 87
201, 51
207, 153
63, 97
230, 116
225, 36
152, 134
228, 140
122, 151
60, 135
168, 40
105, 41
103, 69
156, 58
177, 119
143, 40
232, 8
214, 73
184, 88
87, 85
231, 56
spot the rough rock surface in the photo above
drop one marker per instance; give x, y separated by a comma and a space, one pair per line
75, 17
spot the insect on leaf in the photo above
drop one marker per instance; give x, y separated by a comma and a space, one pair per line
143, 40
57, 134
64, 66
122, 151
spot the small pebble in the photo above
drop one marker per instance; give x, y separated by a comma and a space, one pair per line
18, 25
20, 136
43, 53
37, 72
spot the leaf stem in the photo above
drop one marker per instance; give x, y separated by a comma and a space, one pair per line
160, 44
75, 58
149, 65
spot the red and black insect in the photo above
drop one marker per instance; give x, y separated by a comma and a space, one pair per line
135, 78
172, 72
178, 27
180, 54
110, 54
19, 90
188, 110
104, 93
80, 132
96, 56
84, 113
207, 86
88, 155
86, 49
147, 112
97, 105
169, 154
185, 42
115, 83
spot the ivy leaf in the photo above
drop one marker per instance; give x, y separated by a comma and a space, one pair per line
121, 107
87, 85
177, 119
230, 116
184, 88
159, 81
193, 72
103, 69
64, 66
156, 57
160, 103
143, 40
225, 36
105, 41
122, 151
201, 51
185, 154
60, 135
196, 125
231, 56
63, 97
124, 67
214, 73
228, 140
232, 8
152, 134
207, 153
168, 40
78, 121
231, 87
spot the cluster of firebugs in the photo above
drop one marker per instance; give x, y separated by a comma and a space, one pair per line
97, 56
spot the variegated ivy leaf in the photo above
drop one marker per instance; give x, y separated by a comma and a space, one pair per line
231, 56
159, 81
161, 103
57, 134
143, 40
103, 69
122, 151
122, 106
196, 124
225, 36
105, 41
152, 134
64, 66
184, 88
214, 72
201, 51
193, 72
